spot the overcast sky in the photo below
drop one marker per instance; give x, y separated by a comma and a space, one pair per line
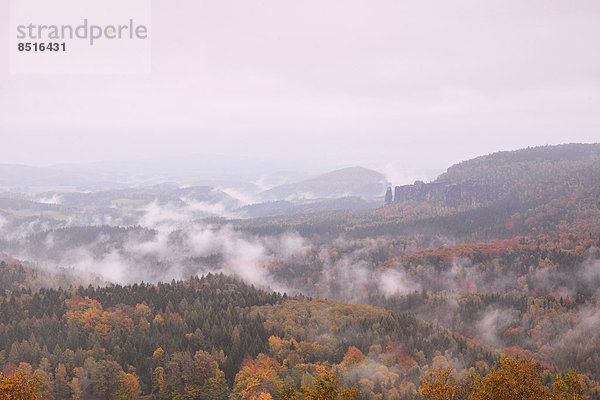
417, 83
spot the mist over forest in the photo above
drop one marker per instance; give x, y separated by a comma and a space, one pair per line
380, 284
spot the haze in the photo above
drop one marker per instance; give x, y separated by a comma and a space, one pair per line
414, 85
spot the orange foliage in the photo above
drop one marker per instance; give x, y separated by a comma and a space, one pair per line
353, 357
89, 314
20, 386
257, 377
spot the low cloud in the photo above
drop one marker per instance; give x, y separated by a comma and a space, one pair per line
492, 325
55, 199
394, 282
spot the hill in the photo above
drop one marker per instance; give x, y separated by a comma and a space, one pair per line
545, 186
354, 181
522, 174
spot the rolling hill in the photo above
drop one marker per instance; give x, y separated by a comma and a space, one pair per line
353, 181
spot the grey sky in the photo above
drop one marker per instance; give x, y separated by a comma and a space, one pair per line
418, 83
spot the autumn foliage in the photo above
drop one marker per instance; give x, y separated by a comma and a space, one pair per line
512, 379
19, 385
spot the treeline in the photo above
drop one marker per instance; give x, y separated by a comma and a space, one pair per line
124, 325
215, 338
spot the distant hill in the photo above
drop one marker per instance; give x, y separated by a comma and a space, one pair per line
14, 175
529, 191
540, 154
524, 174
283, 207
196, 169
353, 181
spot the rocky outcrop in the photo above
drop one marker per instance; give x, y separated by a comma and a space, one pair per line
388, 196
470, 193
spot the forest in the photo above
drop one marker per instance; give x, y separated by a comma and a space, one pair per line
482, 281
218, 338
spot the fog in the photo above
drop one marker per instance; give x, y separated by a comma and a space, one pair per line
369, 83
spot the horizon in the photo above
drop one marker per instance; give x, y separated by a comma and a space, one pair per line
173, 157
225, 168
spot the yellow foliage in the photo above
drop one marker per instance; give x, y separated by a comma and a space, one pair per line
441, 385
20, 386
263, 396
512, 379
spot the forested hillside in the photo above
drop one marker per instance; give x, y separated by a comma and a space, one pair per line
475, 200
212, 335
497, 257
